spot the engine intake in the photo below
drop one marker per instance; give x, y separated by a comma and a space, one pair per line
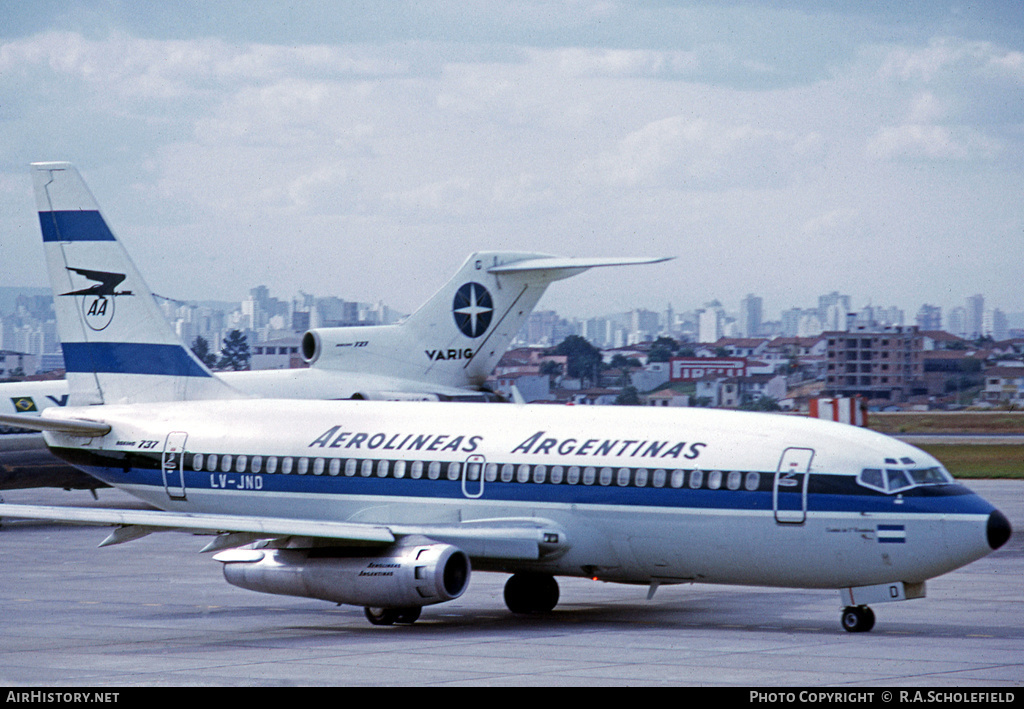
403, 577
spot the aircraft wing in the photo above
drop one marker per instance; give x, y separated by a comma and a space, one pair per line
524, 538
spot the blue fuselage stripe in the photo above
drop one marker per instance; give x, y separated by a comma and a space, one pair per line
130, 358
959, 501
75, 225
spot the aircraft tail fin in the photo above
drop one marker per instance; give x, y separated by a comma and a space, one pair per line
118, 347
482, 308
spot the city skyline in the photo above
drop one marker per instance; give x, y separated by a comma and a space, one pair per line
784, 149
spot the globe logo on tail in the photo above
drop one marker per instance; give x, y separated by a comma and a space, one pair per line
472, 309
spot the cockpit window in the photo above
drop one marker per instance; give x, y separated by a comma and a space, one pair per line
892, 479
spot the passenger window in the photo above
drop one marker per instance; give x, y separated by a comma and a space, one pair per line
557, 473
506, 473
573, 476
272, 464
318, 466
382, 468
622, 479
417, 470
540, 473
434, 470
589, 474
753, 481
303, 466
523, 474
606, 476
454, 471
678, 478
335, 467
473, 471
197, 461
733, 480
696, 479
399, 469
240, 462
366, 468
286, 466
491, 472
659, 478
350, 467
641, 477
714, 479
211, 463
225, 464
257, 463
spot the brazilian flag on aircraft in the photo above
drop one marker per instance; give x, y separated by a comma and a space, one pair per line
24, 404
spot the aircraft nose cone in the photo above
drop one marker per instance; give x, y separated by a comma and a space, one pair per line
998, 529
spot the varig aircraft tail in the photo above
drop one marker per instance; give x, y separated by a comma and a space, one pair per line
456, 338
118, 348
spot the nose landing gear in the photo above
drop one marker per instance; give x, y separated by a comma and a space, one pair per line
857, 619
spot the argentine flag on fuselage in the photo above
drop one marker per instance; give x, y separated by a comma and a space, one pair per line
118, 348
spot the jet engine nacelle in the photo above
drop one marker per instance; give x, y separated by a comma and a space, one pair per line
403, 577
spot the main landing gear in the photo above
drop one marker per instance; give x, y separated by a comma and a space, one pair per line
857, 619
390, 616
531, 593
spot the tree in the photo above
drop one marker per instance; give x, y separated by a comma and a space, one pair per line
629, 396
552, 369
201, 349
235, 353
662, 349
583, 359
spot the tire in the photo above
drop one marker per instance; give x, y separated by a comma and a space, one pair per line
857, 619
531, 593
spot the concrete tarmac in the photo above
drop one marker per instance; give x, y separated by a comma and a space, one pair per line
154, 612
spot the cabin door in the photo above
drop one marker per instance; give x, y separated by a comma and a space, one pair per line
789, 492
173, 465
473, 476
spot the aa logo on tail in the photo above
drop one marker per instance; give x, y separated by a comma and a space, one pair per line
98, 299
472, 309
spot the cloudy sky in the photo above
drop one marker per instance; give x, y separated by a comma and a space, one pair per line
363, 149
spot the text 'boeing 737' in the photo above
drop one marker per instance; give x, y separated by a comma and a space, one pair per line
394, 505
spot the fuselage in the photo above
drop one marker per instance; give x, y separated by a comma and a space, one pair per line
641, 494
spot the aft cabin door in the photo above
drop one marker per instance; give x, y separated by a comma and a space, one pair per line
789, 493
173, 465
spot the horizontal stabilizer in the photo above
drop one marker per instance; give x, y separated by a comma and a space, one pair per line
558, 263
75, 427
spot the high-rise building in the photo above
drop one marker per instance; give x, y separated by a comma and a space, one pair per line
929, 317
975, 307
994, 324
751, 312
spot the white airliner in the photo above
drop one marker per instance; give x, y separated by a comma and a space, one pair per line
392, 505
442, 352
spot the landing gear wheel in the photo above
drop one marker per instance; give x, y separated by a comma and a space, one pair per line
390, 616
857, 619
531, 593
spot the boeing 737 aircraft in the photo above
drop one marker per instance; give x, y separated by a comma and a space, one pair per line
442, 352
393, 505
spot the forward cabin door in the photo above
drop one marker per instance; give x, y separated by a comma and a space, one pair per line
789, 492
173, 465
